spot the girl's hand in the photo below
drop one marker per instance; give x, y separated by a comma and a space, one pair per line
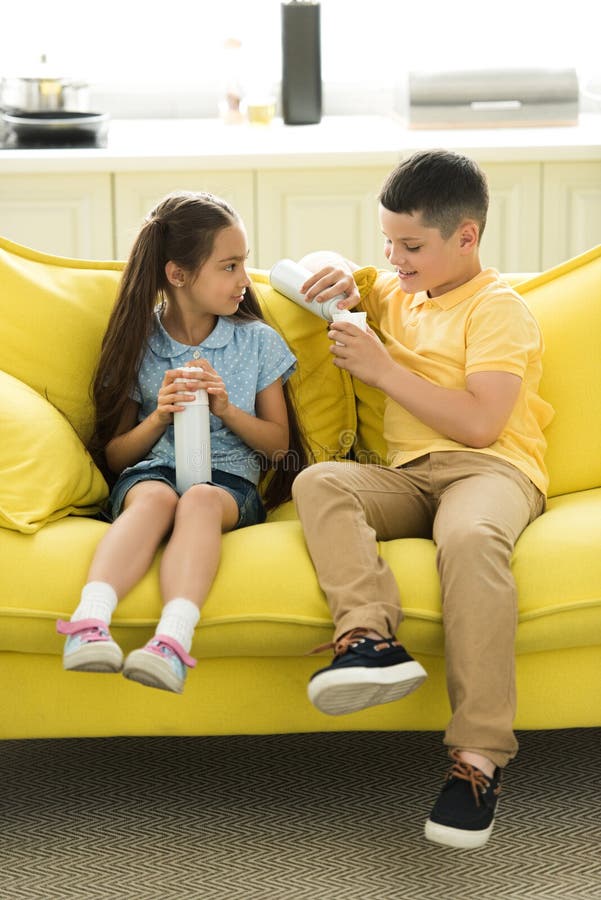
174, 394
210, 381
331, 281
359, 352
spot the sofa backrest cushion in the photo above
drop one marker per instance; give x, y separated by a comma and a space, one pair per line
54, 313
45, 471
566, 301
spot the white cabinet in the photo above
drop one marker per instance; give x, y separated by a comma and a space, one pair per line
540, 213
511, 240
571, 210
337, 209
69, 215
137, 193
300, 210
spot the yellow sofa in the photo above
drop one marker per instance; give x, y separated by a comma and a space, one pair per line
266, 611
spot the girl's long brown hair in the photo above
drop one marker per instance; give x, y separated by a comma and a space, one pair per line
181, 228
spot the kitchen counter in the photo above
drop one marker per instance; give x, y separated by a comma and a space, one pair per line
178, 144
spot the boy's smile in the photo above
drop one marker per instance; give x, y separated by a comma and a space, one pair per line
423, 259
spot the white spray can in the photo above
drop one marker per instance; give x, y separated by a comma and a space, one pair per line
192, 439
287, 277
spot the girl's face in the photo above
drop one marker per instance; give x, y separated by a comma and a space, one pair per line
220, 283
424, 260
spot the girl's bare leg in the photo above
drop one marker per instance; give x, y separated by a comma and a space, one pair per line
191, 558
121, 559
126, 551
188, 568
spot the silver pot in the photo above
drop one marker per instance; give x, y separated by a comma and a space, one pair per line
43, 92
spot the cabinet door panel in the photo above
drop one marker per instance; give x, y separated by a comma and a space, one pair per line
511, 239
320, 209
136, 194
571, 209
69, 215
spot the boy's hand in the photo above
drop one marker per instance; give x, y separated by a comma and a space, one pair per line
359, 352
332, 281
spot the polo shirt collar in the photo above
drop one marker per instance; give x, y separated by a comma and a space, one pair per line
165, 346
458, 294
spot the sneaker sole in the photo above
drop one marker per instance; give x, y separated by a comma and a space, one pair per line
151, 671
342, 691
459, 838
95, 657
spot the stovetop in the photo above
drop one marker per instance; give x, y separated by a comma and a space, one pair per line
10, 141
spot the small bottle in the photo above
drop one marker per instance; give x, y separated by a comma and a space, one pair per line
230, 106
192, 439
348, 315
287, 277
355, 318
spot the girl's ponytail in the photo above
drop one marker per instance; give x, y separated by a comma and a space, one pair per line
129, 327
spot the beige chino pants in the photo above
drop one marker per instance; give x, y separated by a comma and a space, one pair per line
475, 507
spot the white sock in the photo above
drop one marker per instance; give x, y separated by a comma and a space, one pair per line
178, 620
98, 601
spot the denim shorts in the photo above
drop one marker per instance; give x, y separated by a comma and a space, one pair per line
244, 492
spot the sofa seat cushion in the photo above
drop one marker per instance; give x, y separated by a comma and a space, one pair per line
557, 565
45, 471
266, 602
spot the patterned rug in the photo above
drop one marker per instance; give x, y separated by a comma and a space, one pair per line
321, 817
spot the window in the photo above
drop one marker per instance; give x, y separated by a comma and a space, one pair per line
144, 57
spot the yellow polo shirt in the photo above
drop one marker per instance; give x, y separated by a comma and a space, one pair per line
481, 326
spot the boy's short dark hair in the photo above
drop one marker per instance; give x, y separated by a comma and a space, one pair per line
443, 186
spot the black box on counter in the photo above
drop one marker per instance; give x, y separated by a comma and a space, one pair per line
301, 63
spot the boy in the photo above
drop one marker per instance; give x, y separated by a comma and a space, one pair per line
460, 364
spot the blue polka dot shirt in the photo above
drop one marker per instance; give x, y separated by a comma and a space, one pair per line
249, 356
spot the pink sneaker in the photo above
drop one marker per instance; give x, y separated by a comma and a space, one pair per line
89, 647
160, 664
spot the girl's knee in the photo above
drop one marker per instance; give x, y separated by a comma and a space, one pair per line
152, 496
201, 496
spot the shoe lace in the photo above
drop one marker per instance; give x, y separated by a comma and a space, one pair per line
478, 781
351, 639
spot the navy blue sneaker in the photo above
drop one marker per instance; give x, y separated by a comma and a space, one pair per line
364, 672
464, 814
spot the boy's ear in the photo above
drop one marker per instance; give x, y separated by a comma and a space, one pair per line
468, 236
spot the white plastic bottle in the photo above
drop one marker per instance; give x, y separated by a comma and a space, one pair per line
287, 277
192, 439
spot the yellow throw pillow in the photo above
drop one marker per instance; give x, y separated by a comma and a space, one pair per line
566, 301
45, 471
370, 446
54, 312
323, 393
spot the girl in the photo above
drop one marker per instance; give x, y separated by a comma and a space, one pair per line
190, 257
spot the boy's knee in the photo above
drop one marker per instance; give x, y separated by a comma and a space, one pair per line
311, 479
477, 538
